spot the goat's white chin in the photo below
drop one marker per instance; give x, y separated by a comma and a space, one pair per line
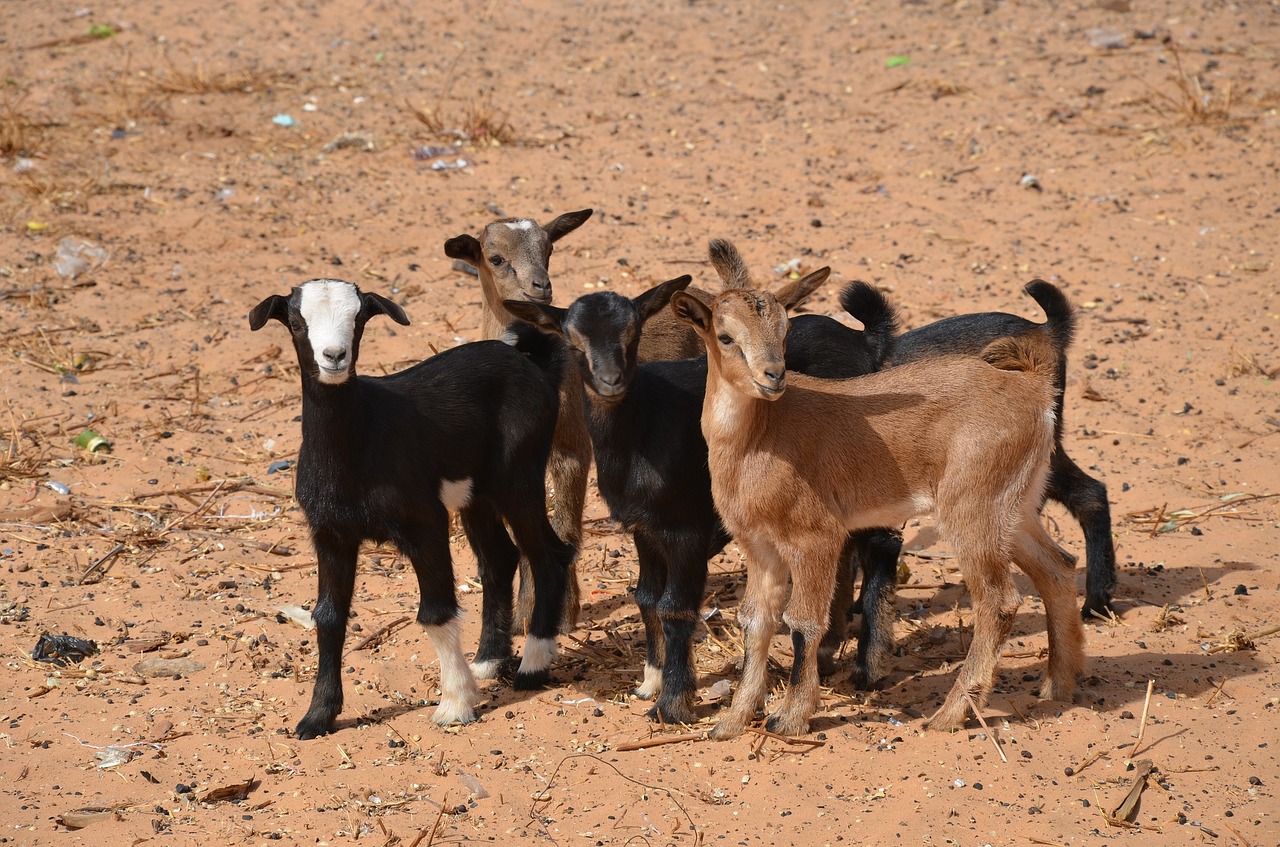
768, 393
335, 376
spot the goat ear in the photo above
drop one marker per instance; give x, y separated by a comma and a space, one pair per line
692, 311
542, 315
376, 304
794, 293
274, 306
567, 223
464, 247
728, 263
653, 300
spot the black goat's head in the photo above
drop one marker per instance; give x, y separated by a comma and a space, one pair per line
326, 318
603, 329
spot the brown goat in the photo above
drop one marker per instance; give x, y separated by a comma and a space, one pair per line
794, 471
512, 257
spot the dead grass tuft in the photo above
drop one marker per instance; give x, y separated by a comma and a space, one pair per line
199, 79
19, 133
1243, 364
1196, 104
940, 88
479, 121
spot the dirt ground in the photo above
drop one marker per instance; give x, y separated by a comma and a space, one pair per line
948, 152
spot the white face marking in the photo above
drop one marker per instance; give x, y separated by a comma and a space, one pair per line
458, 690
455, 494
520, 225
330, 309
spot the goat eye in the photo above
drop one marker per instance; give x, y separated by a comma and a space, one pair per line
496, 261
295, 325
725, 339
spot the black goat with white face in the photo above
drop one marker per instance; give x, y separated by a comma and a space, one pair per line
387, 458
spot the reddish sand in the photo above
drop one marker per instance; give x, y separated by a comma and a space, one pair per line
1140, 177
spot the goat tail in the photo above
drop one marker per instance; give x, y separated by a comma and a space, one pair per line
1035, 353
1057, 308
878, 317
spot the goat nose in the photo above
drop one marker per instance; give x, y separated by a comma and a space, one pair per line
335, 355
541, 287
776, 374
613, 379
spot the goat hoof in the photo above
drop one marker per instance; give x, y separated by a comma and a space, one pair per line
827, 665
1054, 690
503, 668
725, 731
671, 713
863, 680
1097, 607
948, 718
782, 725
531, 680
313, 727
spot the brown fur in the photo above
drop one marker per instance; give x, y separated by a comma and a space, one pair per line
524, 254
797, 462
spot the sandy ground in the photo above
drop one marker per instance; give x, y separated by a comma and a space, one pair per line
948, 152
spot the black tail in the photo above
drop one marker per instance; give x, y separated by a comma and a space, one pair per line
1057, 308
547, 351
880, 320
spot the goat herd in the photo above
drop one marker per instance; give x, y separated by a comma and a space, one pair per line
709, 417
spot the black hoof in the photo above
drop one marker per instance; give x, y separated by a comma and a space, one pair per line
531, 681
1097, 607
862, 681
668, 713
310, 727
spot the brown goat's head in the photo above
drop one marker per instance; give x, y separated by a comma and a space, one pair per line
745, 332
514, 254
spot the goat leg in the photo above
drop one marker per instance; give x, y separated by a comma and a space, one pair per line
496, 559
649, 589
1086, 499
878, 553
337, 580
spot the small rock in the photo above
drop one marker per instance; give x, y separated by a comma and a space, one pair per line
157, 667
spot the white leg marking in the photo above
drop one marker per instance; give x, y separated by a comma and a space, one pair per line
455, 494
652, 685
538, 653
458, 690
486, 670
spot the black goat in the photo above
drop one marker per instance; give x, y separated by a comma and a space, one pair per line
1082, 495
386, 458
651, 458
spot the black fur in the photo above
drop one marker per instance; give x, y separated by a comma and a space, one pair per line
374, 452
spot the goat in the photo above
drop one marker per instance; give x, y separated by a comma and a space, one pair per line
796, 463
386, 459
1083, 495
512, 259
651, 459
